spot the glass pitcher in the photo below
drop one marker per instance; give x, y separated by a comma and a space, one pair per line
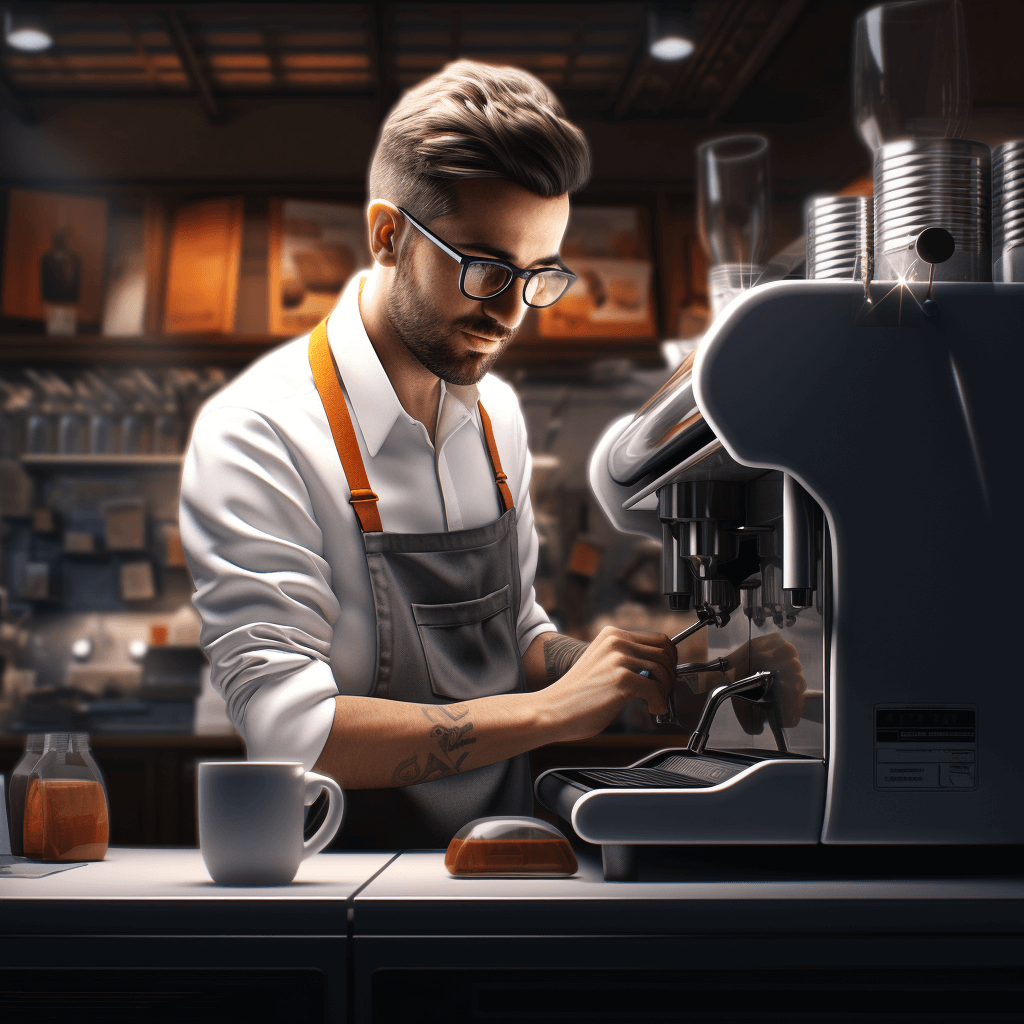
66, 803
910, 76
733, 212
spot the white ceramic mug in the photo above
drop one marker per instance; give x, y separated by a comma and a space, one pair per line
251, 819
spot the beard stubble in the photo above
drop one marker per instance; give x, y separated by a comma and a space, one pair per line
428, 335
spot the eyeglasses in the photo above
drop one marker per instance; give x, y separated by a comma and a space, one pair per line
485, 278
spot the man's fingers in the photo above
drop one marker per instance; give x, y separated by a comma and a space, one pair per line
653, 691
650, 639
661, 664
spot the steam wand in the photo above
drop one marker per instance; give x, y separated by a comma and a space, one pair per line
755, 688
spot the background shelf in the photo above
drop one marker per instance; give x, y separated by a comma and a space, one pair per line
101, 461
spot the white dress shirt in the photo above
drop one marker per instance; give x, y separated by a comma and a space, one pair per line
275, 548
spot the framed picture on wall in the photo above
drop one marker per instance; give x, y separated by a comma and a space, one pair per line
612, 297
315, 248
202, 271
68, 232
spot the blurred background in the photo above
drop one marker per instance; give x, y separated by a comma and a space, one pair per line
181, 190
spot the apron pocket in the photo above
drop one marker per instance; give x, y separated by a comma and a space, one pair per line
470, 647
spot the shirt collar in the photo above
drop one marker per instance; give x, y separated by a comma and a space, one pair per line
374, 402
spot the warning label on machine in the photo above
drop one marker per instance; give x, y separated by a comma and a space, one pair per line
932, 748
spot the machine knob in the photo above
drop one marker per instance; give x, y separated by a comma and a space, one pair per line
934, 245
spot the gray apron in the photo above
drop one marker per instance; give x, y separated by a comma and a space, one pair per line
447, 606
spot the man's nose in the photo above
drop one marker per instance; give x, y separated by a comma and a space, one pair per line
508, 308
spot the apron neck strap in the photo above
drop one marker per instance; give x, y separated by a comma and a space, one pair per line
363, 500
326, 378
492, 449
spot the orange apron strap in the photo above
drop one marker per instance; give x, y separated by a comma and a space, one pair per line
325, 376
492, 449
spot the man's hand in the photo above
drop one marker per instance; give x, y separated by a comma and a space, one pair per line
376, 743
769, 653
606, 677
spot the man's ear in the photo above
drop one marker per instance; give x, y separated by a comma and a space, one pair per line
385, 223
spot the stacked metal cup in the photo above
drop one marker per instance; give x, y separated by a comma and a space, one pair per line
1008, 211
840, 237
926, 183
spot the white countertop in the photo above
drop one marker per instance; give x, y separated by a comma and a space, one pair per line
168, 891
174, 873
422, 876
168, 874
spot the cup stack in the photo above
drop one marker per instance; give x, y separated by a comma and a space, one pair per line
840, 236
1008, 211
925, 183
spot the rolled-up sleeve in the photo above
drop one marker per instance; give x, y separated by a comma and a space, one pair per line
263, 586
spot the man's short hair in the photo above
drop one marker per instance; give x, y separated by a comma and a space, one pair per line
473, 120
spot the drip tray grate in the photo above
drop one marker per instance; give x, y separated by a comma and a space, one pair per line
698, 768
674, 772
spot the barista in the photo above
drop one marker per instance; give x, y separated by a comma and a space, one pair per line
355, 506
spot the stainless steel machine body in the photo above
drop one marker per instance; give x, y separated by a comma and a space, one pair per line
838, 466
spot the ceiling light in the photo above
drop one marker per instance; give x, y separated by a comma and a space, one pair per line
26, 31
670, 36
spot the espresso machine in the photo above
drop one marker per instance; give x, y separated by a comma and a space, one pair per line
834, 462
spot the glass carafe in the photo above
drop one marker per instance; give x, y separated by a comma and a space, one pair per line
19, 786
733, 212
66, 803
910, 77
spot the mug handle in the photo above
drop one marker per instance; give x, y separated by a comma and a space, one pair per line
335, 811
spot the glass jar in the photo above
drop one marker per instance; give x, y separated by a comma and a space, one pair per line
66, 803
19, 786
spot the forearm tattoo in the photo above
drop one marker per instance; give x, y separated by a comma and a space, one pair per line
560, 654
449, 738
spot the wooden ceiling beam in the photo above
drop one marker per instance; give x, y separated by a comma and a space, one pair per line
729, 15
573, 55
9, 95
380, 26
191, 66
766, 46
456, 40
140, 49
272, 45
636, 68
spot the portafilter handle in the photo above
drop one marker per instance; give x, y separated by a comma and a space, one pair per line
705, 617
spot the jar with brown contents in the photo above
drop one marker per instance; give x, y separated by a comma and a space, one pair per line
66, 803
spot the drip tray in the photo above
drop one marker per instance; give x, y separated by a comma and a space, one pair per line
675, 772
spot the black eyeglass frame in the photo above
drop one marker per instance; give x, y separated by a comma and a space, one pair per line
466, 262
